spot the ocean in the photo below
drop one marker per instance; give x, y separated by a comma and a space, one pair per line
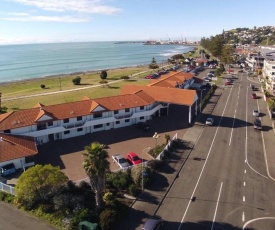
20, 62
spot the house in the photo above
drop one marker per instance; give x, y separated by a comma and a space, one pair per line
41, 124
17, 149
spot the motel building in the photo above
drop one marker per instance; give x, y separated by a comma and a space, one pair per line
21, 131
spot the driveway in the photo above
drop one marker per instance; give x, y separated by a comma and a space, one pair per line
67, 154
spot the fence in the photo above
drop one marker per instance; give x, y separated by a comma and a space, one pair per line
7, 188
160, 156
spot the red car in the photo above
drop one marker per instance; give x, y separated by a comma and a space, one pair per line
133, 158
254, 96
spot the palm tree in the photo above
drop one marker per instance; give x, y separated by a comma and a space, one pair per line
96, 165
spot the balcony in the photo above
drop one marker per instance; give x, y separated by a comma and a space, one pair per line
75, 125
123, 116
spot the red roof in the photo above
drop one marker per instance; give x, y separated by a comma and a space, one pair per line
15, 146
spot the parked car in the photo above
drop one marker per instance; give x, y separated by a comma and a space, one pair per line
7, 170
228, 82
256, 112
252, 87
254, 96
3, 180
121, 161
153, 223
257, 124
143, 126
209, 121
133, 158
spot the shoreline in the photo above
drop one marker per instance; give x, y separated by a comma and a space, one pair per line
63, 75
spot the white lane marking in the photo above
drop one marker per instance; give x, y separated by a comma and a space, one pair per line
243, 217
204, 162
246, 141
243, 198
261, 218
232, 128
245, 171
244, 184
216, 207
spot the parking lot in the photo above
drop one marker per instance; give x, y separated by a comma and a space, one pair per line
67, 154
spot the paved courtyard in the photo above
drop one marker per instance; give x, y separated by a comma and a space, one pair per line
67, 154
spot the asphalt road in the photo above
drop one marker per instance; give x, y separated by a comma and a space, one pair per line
224, 184
12, 218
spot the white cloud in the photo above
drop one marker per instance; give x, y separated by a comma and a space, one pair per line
84, 6
46, 19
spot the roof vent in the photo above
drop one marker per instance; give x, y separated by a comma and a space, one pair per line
72, 112
1, 138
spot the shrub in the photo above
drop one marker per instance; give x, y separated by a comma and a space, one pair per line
42, 86
133, 190
103, 74
108, 219
155, 164
83, 215
76, 80
124, 78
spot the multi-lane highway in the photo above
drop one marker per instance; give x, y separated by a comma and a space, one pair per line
225, 184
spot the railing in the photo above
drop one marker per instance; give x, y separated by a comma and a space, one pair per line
123, 116
75, 125
7, 188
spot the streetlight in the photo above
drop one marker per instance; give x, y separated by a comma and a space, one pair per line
201, 99
156, 136
142, 185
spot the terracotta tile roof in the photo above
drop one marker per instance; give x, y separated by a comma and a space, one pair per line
121, 102
169, 80
15, 146
168, 95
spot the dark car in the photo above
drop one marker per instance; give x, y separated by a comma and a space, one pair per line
257, 124
153, 223
143, 126
7, 170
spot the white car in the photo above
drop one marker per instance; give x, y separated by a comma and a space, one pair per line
121, 161
209, 121
256, 112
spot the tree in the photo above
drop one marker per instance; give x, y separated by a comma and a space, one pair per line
153, 64
103, 74
96, 165
227, 55
76, 80
38, 183
271, 103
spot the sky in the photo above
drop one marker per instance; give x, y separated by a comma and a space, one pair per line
44, 21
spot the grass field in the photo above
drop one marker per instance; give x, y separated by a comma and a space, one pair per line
60, 83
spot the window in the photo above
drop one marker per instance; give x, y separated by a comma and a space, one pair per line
97, 115
67, 132
127, 110
141, 118
41, 126
79, 118
117, 122
107, 124
98, 126
116, 112
50, 123
141, 107
127, 120
7, 131
66, 120
79, 129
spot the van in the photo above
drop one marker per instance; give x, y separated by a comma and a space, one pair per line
7, 170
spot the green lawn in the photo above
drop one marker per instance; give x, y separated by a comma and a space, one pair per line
53, 84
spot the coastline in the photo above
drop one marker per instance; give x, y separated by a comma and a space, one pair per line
64, 75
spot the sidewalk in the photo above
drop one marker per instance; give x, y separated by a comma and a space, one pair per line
149, 201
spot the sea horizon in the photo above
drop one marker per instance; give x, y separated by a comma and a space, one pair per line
29, 61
